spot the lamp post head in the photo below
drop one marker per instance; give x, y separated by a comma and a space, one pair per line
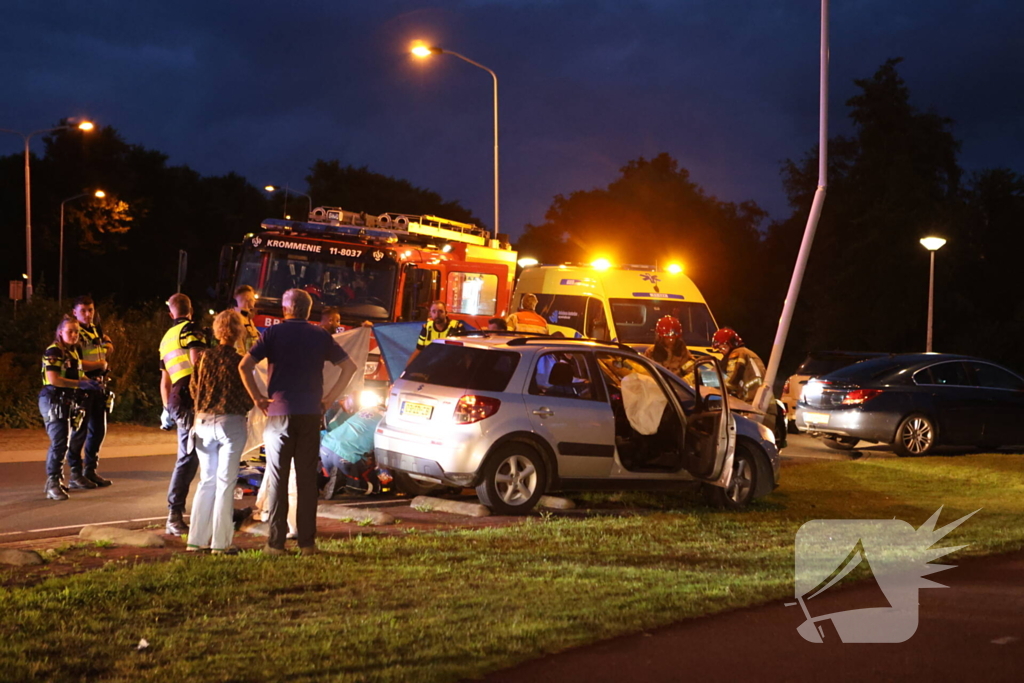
86, 126
99, 194
423, 51
932, 243
80, 124
270, 188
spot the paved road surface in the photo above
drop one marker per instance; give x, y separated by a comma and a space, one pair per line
971, 631
139, 460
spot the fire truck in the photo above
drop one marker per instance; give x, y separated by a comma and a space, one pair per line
384, 268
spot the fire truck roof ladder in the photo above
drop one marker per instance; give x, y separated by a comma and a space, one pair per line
387, 226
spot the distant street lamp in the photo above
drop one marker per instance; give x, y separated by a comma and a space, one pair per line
99, 194
72, 123
423, 51
287, 191
932, 244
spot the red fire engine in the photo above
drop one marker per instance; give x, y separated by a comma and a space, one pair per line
386, 268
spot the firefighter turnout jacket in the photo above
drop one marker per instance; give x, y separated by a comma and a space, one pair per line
744, 373
677, 360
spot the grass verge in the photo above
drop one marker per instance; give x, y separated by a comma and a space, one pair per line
443, 606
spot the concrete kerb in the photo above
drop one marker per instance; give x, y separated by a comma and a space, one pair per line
20, 558
455, 507
119, 536
359, 515
556, 503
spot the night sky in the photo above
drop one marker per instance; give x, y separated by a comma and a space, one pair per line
727, 87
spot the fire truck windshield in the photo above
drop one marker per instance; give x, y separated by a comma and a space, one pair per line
359, 288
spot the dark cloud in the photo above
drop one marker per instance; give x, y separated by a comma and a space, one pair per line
729, 88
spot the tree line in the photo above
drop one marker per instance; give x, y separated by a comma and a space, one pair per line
895, 179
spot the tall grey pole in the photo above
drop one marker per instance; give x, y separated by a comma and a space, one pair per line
494, 76
60, 267
764, 395
931, 303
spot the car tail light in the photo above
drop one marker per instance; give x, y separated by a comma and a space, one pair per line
859, 396
472, 409
785, 388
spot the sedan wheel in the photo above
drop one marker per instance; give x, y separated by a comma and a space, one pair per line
740, 491
915, 436
514, 480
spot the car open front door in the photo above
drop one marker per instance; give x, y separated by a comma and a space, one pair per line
710, 430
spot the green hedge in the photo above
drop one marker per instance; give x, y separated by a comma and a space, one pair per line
134, 365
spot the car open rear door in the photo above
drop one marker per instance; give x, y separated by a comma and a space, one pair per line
710, 429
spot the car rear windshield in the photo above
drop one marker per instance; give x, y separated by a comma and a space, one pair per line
875, 368
817, 365
451, 365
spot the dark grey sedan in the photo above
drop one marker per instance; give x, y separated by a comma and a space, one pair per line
916, 402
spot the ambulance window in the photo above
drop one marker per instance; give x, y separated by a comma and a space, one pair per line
472, 293
597, 322
567, 310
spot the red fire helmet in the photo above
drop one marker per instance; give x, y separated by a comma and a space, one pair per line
724, 336
668, 326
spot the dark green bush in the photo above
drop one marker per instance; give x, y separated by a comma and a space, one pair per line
134, 365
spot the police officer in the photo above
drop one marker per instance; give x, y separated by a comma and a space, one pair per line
744, 371
669, 349
179, 352
245, 304
63, 373
94, 346
439, 326
526, 319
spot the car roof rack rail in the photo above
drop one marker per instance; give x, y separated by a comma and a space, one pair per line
534, 336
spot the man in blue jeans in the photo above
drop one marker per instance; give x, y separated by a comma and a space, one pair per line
295, 352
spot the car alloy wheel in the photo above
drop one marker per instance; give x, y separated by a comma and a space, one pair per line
514, 480
740, 491
916, 436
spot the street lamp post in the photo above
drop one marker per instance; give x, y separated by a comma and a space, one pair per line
287, 190
424, 51
83, 126
99, 194
932, 244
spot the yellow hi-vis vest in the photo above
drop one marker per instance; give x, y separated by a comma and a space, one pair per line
175, 357
91, 341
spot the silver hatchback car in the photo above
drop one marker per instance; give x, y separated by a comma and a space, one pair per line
520, 416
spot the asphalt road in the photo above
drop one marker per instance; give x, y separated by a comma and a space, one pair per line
139, 460
971, 631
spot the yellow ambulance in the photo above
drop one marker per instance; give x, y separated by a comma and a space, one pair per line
617, 303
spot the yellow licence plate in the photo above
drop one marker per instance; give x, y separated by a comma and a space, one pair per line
816, 418
410, 409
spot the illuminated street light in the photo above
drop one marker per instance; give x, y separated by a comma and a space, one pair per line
99, 194
420, 50
287, 191
85, 126
932, 244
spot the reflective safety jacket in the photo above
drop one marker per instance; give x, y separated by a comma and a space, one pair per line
527, 321
430, 332
744, 373
66, 362
90, 338
249, 334
174, 358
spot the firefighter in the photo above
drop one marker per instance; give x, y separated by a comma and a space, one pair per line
63, 373
245, 304
179, 352
526, 319
669, 349
94, 347
744, 371
439, 326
